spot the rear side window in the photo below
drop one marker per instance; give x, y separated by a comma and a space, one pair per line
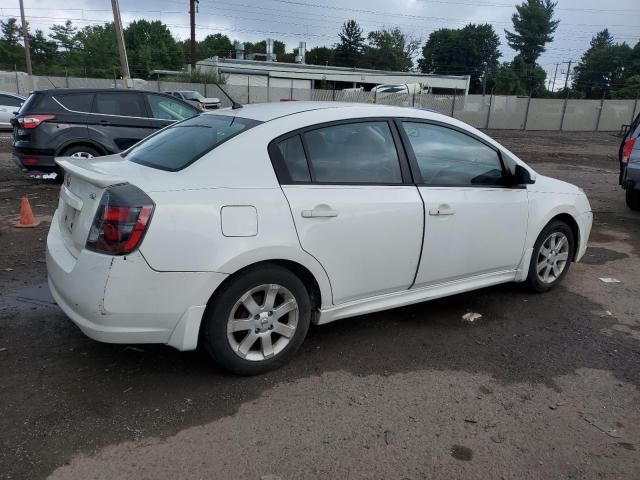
10, 101
175, 147
121, 104
39, 102
78, 102
294, 159
353, 153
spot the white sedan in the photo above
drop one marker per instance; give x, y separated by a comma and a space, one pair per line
236, 229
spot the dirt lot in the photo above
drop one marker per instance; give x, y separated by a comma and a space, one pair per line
543, 386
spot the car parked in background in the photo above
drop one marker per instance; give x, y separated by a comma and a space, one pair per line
238, 228
88, 123
9, 104
197, 99
629, 155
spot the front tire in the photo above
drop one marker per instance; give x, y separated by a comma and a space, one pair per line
551, 258
258, 321
632, 197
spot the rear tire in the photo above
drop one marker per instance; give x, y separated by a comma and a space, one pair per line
551, 258
258, 321
80, 151
633, 198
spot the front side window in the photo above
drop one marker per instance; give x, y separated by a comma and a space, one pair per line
447, 157
166, 108
181, 144
120, 104
362, 152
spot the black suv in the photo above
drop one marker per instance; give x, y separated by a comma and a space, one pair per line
88, 123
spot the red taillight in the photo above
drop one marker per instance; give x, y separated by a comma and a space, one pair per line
30, 161
627, 149
121, 220
32, 121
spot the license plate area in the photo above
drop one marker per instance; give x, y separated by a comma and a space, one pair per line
69, 217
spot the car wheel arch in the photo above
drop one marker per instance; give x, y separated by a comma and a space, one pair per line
84, 142
571, 222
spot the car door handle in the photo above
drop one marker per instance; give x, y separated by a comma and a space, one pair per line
320, 211
442, 210
105, 122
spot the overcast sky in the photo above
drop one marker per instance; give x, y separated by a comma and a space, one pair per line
317, 22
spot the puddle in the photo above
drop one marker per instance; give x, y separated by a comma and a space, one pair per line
600, 256
36, 296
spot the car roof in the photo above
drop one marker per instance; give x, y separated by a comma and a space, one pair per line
93, 90
11, 94
265, 112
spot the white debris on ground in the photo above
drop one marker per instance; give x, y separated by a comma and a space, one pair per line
471, 317
609, 280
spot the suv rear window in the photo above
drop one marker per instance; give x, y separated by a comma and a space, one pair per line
78, 102
181, 144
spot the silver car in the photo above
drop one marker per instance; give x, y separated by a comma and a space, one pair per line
9, 103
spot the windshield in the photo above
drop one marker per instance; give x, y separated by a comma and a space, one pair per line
181, 144
189, 95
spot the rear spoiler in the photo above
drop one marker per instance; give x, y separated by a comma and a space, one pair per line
88, 172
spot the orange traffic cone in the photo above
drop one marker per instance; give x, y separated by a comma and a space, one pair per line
27, 220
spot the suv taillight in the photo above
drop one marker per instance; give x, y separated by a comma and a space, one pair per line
627, 149
121, 220
32, 121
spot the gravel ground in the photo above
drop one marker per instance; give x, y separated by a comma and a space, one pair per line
543, 386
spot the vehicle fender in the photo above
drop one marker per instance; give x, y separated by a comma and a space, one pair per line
82, 141
295, 255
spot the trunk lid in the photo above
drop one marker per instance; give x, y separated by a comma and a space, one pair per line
80, 195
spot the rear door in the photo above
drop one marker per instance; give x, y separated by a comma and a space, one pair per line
165, 110
475, 223
119, 120
353, 204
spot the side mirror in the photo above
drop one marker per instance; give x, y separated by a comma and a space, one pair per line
522, 176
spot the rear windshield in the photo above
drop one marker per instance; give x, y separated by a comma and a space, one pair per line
181, 144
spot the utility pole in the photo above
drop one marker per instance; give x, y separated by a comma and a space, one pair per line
122, 49
25, 35
484, 80
553, 87
566, 80
193, 5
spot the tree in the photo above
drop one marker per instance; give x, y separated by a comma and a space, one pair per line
150, 46
348, 51
471, 50
214, 45
43, 53
518, 78
604, 67
98, 53
390, 50
65, 35
533, 26
320, 56
11, 50
630, 89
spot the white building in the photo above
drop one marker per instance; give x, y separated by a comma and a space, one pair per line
273, 74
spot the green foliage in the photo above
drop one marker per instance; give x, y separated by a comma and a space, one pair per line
214, 45
518, 78
465, 51
66, 36
631, 88
349, 50
389, 49
10, 31
150, 46
11, 51
320, 56
605, 67
98, 55
533, 27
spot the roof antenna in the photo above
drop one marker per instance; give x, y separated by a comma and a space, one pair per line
234, 105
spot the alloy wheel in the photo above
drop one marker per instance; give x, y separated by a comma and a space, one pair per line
262, 322
552, 257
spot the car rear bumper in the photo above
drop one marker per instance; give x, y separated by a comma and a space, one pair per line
631, 177
120, 299
34, 160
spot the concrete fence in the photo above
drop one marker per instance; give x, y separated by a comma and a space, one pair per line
488, 111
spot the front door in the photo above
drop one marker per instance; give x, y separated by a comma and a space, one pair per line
354, 209
475, 223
